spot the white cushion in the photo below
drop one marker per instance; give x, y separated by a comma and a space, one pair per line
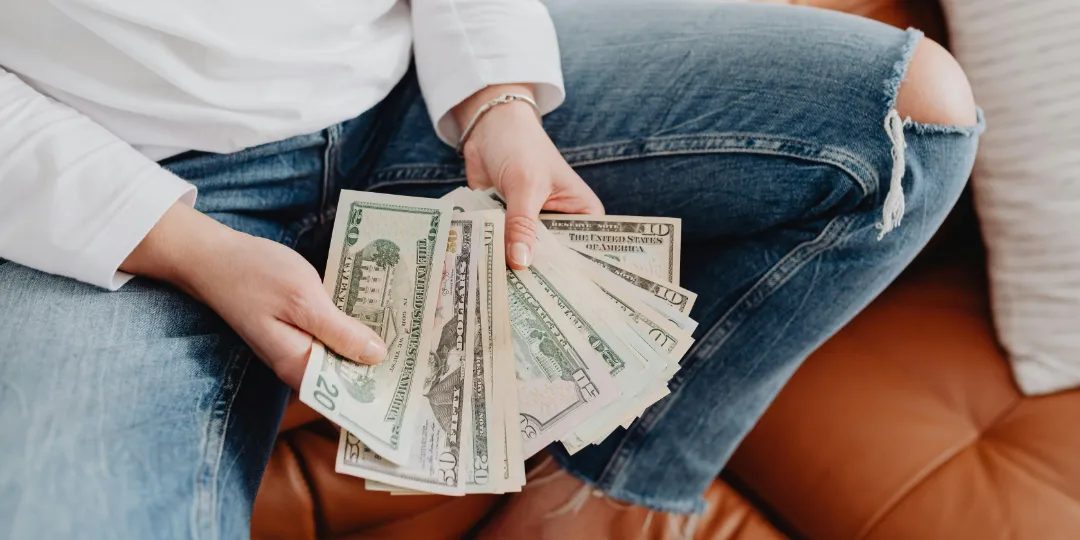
1023, 59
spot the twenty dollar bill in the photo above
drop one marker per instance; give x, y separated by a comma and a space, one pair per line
384, 269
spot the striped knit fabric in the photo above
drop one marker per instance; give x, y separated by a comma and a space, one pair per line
1023, 59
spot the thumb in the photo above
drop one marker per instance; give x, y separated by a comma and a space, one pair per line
522, 212
475, 173
345, 335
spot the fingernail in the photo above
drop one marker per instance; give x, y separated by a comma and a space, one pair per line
520, 254
374, 351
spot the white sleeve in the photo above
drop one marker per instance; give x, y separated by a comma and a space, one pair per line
75, 200
461, 46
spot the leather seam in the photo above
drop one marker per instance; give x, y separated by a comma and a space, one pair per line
1026, 472
317, 524
928, 472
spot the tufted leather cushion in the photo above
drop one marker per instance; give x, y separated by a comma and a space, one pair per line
303, 498
907, 424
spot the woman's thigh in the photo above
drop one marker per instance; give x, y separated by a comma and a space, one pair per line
706, 111
139, 413
128, 414
760, 126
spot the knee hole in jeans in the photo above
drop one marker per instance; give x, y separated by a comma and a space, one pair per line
935, 90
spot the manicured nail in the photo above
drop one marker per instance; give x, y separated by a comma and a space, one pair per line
520, 254
374, 351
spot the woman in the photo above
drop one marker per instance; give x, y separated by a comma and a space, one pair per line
775, 133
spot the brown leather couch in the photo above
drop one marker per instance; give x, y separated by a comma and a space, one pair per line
906, 425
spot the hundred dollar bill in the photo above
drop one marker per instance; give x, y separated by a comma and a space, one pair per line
382, 271
442, 430
649, 246
561, 380
676, 296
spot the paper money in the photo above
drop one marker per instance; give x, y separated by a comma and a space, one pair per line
674, 295
442, 429
551, 253
561, 380
487, 433
512, 475
625, 365
502, 350
381, 270
600, 326
650, 246
487, 366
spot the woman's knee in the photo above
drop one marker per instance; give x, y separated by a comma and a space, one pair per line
936, 90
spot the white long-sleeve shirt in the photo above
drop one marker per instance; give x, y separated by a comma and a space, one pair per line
93, 92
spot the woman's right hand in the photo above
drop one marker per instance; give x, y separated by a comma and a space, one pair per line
266, 292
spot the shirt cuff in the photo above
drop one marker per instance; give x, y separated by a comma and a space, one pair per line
463, 47
149, 199
451, 91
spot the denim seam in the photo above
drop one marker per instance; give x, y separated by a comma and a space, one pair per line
417, 174
781, 273
862, 172
206, 511
291, 235
418, 182
772, 280
333, 133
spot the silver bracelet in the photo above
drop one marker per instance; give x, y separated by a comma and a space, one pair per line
505, 98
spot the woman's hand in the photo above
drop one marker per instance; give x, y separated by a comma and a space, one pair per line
265, 291
509, 149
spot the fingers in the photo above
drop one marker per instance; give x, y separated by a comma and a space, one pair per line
341, 333
522, 211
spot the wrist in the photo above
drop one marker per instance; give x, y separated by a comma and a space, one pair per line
180, 244
504, 120
465, 110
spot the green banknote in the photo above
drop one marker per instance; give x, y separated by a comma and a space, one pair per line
384, 269
561, 380
650, 246
442, 428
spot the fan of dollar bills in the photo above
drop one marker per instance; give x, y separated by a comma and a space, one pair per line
486, 366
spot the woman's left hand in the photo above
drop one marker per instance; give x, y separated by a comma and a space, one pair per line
508, 149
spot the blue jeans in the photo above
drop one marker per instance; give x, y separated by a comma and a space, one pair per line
140, 414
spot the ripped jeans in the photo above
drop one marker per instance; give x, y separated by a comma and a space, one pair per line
140, 414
